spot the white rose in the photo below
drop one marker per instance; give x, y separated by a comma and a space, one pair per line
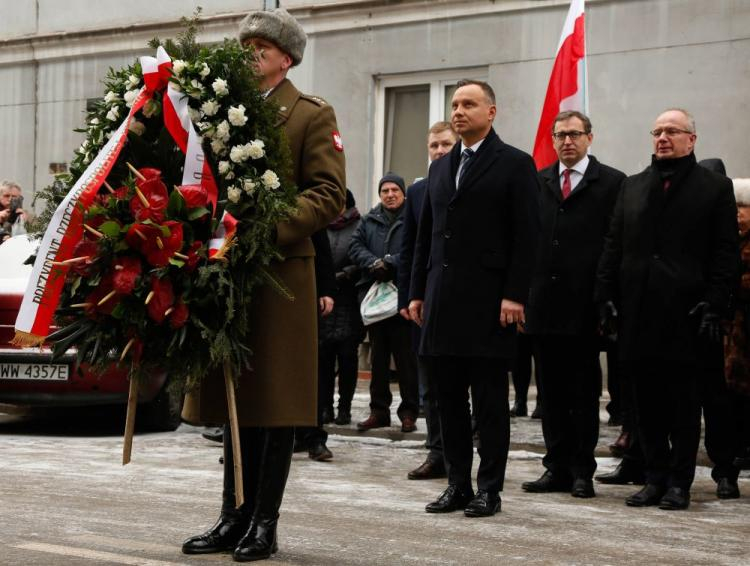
218, 147
224, 167
205, 71
138, 128
130, 97
220, 87
210, 107
234, 194
255, 149
178, 65
236, 115
195, 115
237, 154
111, 97
205, 128
249, 186
94, 121
113, 113
270, 179
133, 81
222, 131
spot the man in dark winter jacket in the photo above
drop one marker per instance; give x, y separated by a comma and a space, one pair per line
664, 278
375, 249
577, 198
341, 332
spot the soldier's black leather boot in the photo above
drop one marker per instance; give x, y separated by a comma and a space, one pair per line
259, 543
232, 522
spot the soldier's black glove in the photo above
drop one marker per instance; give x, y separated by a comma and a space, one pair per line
710, 321
608, 320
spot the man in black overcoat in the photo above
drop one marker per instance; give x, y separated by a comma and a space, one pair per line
664, 278
576, 203
470, 281
440, 140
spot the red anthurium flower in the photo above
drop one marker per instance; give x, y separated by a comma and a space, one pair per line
155, 192
179, 315
139, 234
127, 271
105, 294
161, 248
88, 249
193, 257
162, 299
195, 196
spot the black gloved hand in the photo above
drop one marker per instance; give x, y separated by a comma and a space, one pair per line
710, 321
608, 320
381, 270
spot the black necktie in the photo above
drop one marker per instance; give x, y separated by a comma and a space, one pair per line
466, 158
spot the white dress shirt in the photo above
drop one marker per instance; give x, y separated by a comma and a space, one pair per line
576, 172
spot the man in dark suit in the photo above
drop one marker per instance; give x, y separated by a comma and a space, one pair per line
440, 140
470, 281
576, 202
668, 268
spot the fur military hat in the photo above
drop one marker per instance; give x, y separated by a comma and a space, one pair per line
742, 191
279, 27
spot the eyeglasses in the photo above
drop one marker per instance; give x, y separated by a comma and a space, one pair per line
669, 132
573, 135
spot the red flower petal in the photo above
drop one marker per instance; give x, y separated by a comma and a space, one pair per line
178, 317
125, 277
195, 196
85, 248
162, 299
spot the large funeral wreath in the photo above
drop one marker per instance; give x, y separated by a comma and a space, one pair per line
144, 286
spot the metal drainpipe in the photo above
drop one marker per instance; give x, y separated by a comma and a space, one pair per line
36, 106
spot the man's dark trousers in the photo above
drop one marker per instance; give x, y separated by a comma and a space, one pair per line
570, 422
668, 414
434, 441
487, 378
393, 336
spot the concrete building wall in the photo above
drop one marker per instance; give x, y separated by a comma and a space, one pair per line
644, 55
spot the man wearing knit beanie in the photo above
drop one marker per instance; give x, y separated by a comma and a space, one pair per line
280, 391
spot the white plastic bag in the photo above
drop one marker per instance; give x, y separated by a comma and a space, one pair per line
380, 302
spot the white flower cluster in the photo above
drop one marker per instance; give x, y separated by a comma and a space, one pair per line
253, 150
270, 180
236, 115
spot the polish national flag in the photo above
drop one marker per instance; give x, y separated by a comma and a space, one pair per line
567, 89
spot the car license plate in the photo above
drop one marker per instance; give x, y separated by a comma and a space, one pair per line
34, 372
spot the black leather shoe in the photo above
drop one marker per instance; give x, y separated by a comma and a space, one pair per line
537, 414
674, 499
259, 543
452, 499
343, 417
650, 495
485, 504
583, 488
223, 536
427, 471
547, 484
727, 489
519, 409
623, 474
319, 452
214, 434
